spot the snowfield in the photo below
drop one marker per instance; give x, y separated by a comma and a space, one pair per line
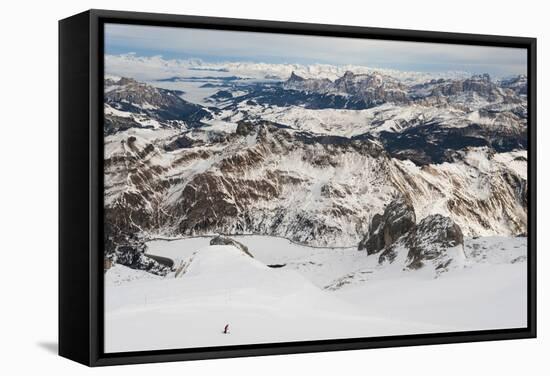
290, 292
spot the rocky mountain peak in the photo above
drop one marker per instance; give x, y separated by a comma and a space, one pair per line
296, 82
348, 74
429, 241
482, 77
141, 100
433, 236
295, 78
479, 84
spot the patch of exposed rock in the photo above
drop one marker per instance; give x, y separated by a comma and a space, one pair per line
132, 254
165, 106
430, 241
244, 128
224, 240
181, 142
436, 239
398, 219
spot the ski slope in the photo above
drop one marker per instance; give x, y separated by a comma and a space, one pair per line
314, 294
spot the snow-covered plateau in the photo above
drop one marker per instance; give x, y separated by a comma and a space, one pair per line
289, 292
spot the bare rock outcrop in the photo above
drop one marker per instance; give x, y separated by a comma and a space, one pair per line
224, 240
398, 219
132, 254
430, 241
435, 240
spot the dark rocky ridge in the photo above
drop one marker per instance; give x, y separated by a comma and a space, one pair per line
432, 237
164, 106
113, 124
425, 242
128, 249
398, 219
434, 143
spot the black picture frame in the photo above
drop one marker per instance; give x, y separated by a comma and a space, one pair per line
81, 182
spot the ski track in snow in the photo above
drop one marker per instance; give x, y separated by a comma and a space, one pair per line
319, 293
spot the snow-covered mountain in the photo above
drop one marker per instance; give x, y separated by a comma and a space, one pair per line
367, 90
131, 104
517, 83
312, 159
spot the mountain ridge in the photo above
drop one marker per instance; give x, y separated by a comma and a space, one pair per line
237, 169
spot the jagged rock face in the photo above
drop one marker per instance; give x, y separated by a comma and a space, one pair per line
233, 202
312, 190
482, 85
295, 79
244, 184
369, 89
398, 219
299, 83
481, 191
430, 241
469, 93
372, 88
135, 258
128, 249
435, 240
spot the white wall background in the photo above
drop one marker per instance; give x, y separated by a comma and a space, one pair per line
28, 188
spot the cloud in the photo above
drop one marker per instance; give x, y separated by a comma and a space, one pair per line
217, 45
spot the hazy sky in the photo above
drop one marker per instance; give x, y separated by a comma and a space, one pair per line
220, 46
